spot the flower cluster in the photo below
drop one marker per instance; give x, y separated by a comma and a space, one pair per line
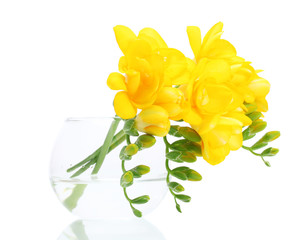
211, 92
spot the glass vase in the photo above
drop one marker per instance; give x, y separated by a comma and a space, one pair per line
101, 196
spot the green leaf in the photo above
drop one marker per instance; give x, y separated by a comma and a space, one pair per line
190, 134
269, 152
192, 175
176, 187
126, 179
255, 116
129, 127
174, 131
136, 212
145, 141
141, 200
184, 198
140, 170
123, 156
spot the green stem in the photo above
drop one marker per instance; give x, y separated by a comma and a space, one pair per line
256, 154
116, 141
106, 145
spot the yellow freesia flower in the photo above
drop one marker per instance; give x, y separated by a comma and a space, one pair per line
149, 66
153, 120
214, 109
212, 46
225, 134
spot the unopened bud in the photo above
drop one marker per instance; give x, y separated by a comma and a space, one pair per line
257, 126
250, 107
190, 134
271, 136
145, 141
131, 149
270, 152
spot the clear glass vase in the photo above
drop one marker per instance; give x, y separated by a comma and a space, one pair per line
101, 196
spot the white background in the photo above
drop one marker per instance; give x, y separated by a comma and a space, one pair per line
55, 57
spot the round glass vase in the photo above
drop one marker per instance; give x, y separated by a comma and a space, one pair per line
100, 196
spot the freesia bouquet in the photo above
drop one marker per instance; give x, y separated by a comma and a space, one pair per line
218, 95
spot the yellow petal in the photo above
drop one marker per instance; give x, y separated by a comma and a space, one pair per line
262, 104
132, 81
157, 131
192, 117
153, 37
217, 28
123, 65
115, 81
123, 106
219, 70
220, 48
235, 142
260, 87
124, 36
194, 36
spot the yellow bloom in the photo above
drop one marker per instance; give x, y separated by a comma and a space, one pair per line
148, 65
214, 109
225, 135
212, 46
172, 100
153, 120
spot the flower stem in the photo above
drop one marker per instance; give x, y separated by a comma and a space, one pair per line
106, 145
256, 154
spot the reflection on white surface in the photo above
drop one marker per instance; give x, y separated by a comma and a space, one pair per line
136, 229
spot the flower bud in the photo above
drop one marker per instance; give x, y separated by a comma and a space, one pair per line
145, 141
250, 107
271, 136
131, 149
183, 198
141, 200
140, 170
153, 120
190, 134
126, 179
176, 187
257, 126
270, 152
254, 116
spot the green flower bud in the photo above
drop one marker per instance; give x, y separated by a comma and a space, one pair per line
255, 116
141, 200
124, 156
192, 175
174, 131
131, 149
270, 152
136, 212
270, 136
178, 207
180, 175
189, 134
129, 127
174, 156
140, 170
247, 134
188, 157
186, 145
250, 107
145, 141
176, 187
257, 126
126, 179
259, 145
183, 198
